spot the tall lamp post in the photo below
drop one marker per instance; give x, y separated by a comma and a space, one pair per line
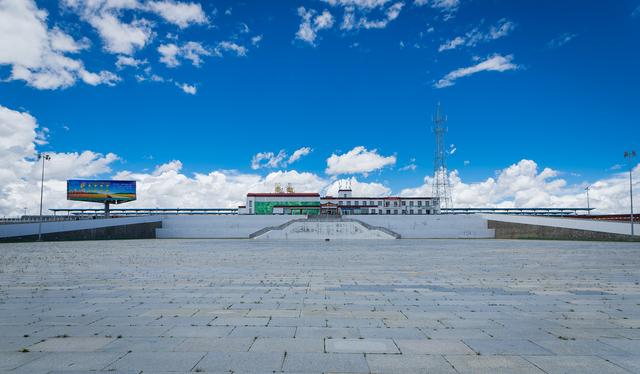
630, 155
588, 205
44, 157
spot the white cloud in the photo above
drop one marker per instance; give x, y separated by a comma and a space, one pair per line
123, 61
444, 5
256, 40
475, 36
524, 185
119, 37
494, 63
358, 161
561, 40
187, 88
171, 54
227, 46
20, 171
363, 4
298, 154
37, 54
312, 23
408, 167
180, 14
390, 14
360, 189
273, 160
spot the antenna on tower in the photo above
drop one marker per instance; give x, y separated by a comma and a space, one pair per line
441, 186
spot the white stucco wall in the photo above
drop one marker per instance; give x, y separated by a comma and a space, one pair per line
239, 226
568, 223
318, 230
24, 229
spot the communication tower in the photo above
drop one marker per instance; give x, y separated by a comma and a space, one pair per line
441, 186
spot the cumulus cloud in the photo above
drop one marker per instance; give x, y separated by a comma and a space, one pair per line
524, 185
275, 160
362, 4
358, 188
359, 160
494, 63
180, 14
448, 7
37, 54
227, 46
561, 40
126, 37
124, 61
172, 54
20, 136
187, 88
298, 154
475, 36
312, 23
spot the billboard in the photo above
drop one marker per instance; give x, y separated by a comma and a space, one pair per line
101, 191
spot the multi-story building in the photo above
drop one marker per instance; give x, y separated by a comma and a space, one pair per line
346, 204
293, 203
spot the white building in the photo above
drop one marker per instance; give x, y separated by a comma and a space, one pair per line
345, 203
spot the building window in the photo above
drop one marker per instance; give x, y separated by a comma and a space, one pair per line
403, 203
388, 211
419, 211
395, 211
410, 211
420, 203
364, 203
411, 203
386, 203
379, 202
341, 202
250, 203
395, 203
373, 211
355, 203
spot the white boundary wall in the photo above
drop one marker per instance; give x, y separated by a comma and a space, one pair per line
25, 229
567, 223
431, 226
319, 230
227, 227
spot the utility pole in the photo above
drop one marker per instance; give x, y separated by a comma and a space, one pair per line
44, 157
630, 155
441, 186
588, 205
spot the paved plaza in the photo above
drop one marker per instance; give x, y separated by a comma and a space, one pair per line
241, 306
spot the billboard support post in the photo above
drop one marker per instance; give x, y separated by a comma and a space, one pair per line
106, 209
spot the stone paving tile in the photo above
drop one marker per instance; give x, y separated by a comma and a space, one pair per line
214, 344
627, 345
434, 347
505, 347
575, 365
263, 332
72, 361
360, 346
158, 361
199, 331
492, 365
12, 360
325, 362
631, 363
391, 333
72, 344
327, 332
241, 361
579, 347
288, 345
408, 364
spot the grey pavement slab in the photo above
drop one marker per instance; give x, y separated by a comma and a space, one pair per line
506, 347
492, 365
325, 362
241, 362
360, 346
434, 347
72, 344
158, 361
73, 361
409, 364
288, 345
575, 365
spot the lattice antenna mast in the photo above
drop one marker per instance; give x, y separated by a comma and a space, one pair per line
441, 186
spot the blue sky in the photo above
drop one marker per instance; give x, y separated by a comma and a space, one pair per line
551, 81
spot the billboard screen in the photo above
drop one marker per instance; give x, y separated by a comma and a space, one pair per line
101, 191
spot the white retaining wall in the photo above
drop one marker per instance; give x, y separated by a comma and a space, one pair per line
228, 227
241, 226
568, 223
25, 229
431, 226
310, 230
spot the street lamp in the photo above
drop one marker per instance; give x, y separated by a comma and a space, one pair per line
44, 157
630, 155
588, 206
